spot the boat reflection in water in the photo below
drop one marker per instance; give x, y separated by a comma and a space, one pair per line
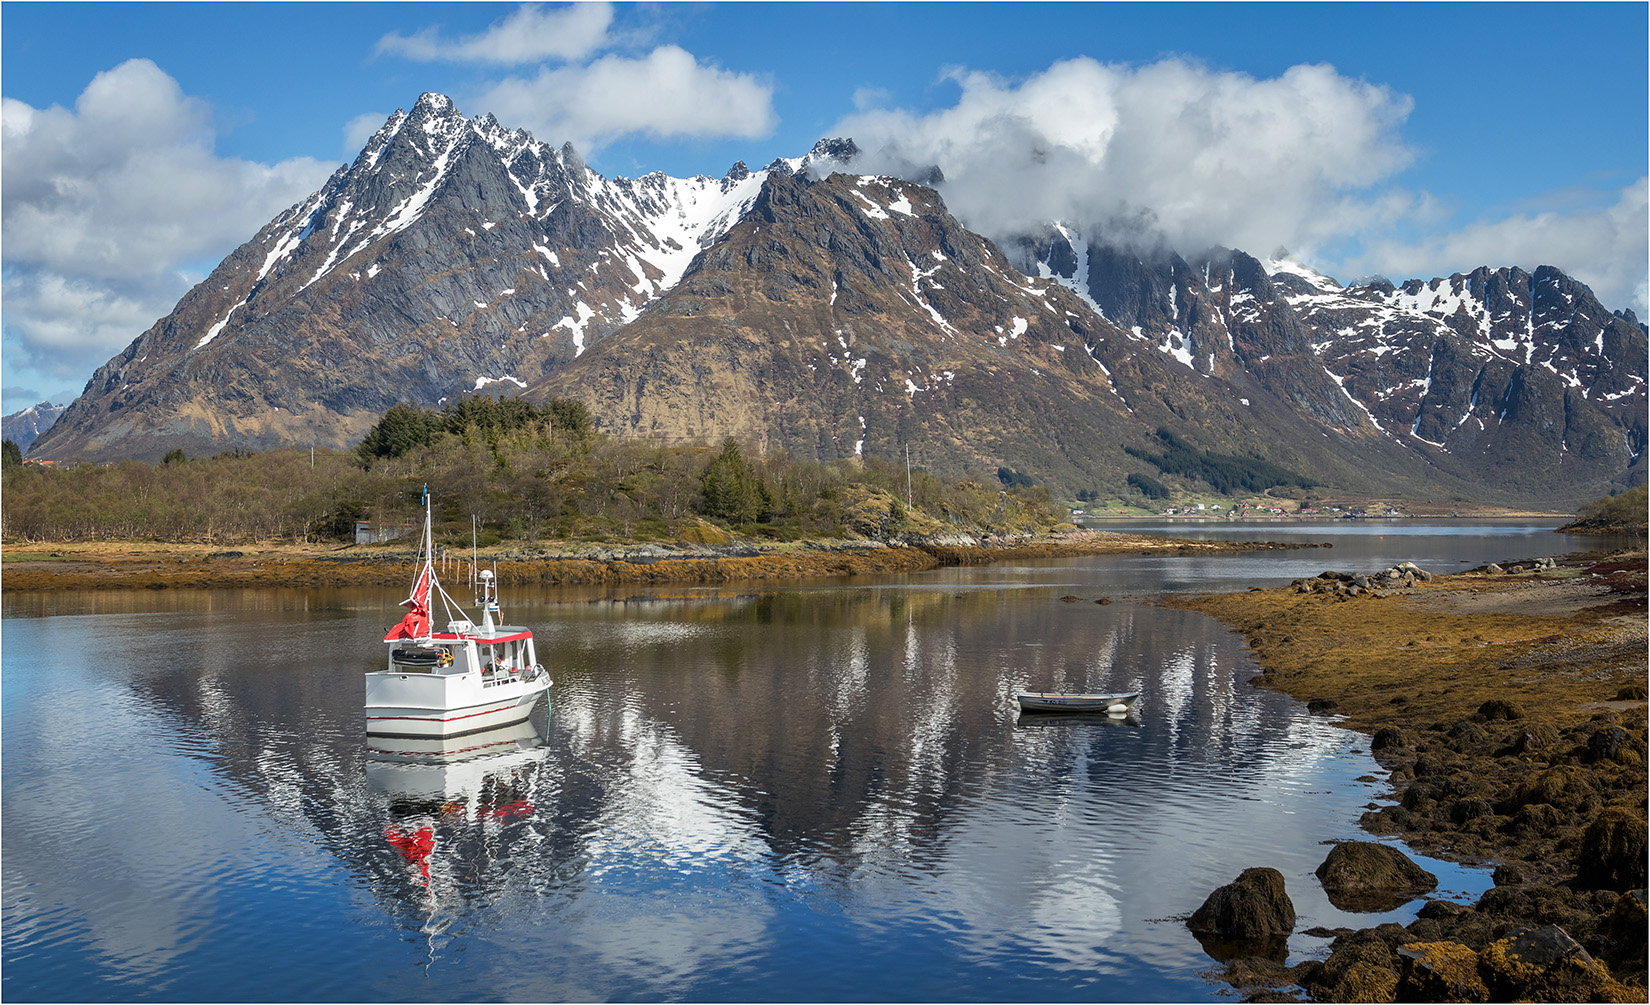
453, 803
1039, 720
444, 752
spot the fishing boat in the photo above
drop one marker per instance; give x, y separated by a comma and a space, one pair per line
467, 679
1043, 701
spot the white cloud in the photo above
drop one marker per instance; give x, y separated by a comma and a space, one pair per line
1304, 161
102, 206
1215, 157
1605, 247
666, 94
527, 35
359, 130
65, 327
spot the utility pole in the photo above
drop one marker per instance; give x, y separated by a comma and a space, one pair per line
908, 476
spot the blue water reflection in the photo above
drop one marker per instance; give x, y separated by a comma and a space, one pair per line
811, 793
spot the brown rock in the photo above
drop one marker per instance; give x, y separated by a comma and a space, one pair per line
1439, 972
1495, 708
1535, 818
1360, 968
1563, 787
1545, 964
1369, 877
1251, 916
1611, 743
1612, 853
1626, 935
1367, 982
1535, 738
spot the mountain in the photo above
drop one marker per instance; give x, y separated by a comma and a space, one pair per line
834, 314
853, 316
452, 256
1516, 381
23, 428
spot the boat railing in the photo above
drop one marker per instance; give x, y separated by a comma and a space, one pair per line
505, 674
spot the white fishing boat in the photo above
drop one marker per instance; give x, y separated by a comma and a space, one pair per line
1043, 701
467, 679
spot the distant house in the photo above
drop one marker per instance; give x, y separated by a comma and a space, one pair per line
373, 532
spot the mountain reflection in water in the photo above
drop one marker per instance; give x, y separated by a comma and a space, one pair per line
820, 792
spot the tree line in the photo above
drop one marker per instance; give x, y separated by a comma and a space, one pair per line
1228, 474
524, 472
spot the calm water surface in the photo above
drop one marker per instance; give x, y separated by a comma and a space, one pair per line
819, 792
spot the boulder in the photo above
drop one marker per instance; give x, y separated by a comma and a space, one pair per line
1439, 972
1360, 968
1564, 787
1611, 743
1410, 568
1546, 964
1389, 738
1367, 877
1495, 708
1535, 818
1612, 853
1534, 738
1626, 935
1466, 736
1251, 916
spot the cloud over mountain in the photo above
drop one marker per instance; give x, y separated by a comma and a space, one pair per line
1604, 246
103, 206
667, 94
1307, 160
1212, 156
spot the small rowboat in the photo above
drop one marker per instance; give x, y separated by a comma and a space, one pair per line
1042, 701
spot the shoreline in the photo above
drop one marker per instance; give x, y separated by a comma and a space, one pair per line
1509, 712
139, 565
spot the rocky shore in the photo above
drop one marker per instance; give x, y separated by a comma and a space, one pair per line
1508, 707
132, 565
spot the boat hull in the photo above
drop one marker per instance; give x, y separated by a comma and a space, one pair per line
1038, 701
425, 706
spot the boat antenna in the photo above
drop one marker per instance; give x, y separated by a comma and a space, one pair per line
427, 545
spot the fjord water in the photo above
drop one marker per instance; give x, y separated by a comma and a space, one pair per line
804, 792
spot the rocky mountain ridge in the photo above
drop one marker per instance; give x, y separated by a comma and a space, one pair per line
832, 314
25, 426
1497, 374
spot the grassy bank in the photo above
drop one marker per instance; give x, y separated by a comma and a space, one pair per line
1510, 713
141, 565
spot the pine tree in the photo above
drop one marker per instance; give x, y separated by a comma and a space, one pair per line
732, 491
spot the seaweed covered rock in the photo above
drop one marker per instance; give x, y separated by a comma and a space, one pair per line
1496, 708
1361, 968
1611, 743
1366, 876
1545, 964
1624, 936
1439, 972
1564, 787
1251, 916
1612, 853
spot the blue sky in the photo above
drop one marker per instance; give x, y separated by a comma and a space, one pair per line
145, 141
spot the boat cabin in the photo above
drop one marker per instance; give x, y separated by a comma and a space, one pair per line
502, 653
